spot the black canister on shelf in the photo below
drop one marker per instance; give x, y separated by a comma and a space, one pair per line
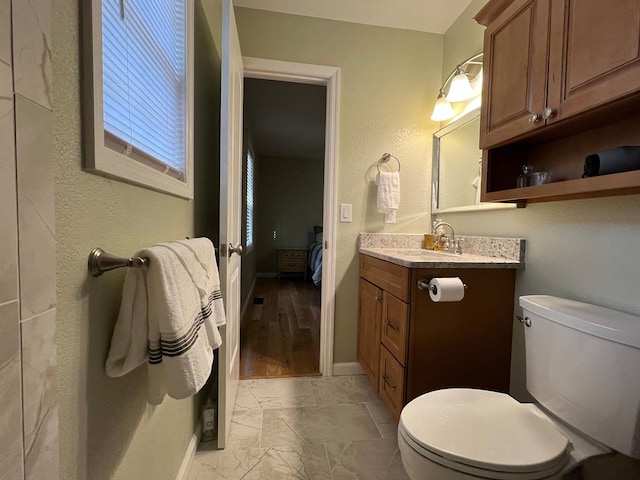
616, 160
524, 179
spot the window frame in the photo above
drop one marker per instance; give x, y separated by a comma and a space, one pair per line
105, 161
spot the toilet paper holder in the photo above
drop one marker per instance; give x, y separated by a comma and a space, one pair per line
426, 285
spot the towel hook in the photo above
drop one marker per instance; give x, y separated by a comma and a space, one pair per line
385, 158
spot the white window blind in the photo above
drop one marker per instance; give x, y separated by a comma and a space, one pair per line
250, 199
144, 49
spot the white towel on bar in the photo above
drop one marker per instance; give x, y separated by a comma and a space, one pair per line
163, 311
388, 191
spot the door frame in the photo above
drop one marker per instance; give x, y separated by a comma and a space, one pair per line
266, 69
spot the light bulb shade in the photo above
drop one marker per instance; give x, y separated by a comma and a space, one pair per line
460, 89
442, 110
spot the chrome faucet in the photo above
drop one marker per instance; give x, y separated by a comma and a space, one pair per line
447, 244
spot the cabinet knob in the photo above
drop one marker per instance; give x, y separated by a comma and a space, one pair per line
534, 118
549, 113
378, 299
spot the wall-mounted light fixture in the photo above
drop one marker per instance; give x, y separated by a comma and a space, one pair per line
466, 83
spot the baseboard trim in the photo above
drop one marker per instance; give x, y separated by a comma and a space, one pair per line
347, 368
190, 454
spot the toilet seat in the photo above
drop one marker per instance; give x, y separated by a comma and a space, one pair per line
483, 433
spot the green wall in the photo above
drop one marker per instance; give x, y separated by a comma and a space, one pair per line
388, 77
107, 428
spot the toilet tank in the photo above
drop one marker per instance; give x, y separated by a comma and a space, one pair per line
583, 365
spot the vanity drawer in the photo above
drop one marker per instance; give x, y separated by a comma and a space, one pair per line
395, 323
386, 275
391, 382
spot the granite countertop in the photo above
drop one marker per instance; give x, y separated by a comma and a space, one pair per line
420, 258
478, 252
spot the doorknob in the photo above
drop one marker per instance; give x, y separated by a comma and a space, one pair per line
237, 250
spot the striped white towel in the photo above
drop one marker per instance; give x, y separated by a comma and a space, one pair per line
183, 310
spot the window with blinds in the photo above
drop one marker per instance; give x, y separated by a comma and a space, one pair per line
250, 199
142, 91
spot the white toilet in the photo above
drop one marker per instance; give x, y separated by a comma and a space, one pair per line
582, 369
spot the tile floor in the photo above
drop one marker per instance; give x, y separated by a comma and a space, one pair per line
306, 428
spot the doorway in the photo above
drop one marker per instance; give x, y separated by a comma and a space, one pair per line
284, 132
286, 297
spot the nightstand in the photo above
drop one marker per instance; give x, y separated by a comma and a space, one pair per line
292, 260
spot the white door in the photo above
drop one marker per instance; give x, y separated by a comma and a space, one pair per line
230, 216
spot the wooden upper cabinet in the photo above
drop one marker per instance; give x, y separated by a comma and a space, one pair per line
515, 63
547, 61
594, 55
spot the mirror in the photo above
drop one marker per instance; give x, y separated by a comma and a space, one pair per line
457, 167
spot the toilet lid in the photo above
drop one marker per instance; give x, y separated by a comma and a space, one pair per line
483, 429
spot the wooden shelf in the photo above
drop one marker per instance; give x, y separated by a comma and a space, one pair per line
606, 185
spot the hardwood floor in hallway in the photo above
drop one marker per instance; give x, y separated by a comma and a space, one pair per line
280, 337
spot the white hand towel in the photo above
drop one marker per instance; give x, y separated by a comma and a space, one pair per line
182, 292
388, 191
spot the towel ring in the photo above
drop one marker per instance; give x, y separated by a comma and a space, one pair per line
385, 158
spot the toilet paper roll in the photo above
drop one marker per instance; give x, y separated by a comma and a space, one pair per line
446, 289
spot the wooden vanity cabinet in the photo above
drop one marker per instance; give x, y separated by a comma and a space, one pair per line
558, 75
369, 317
466, 343
409, 345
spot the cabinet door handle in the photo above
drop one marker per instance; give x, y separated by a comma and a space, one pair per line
549, 113
378, 299
534, 118
386, 380
392, 326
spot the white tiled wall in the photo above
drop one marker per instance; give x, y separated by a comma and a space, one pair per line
28, 395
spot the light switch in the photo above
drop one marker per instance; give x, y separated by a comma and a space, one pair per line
345, 212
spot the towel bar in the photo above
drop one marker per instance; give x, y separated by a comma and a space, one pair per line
101, 261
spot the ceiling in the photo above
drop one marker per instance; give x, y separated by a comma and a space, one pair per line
434, 16
285, 120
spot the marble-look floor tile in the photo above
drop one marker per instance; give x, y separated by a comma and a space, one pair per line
293, 426
245, 400
32, 50
35, 207
40, 396
343, 389
5, 31
385, 422
246, 428
11, 457
282, 392
8, 206
367, 460
277, 463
